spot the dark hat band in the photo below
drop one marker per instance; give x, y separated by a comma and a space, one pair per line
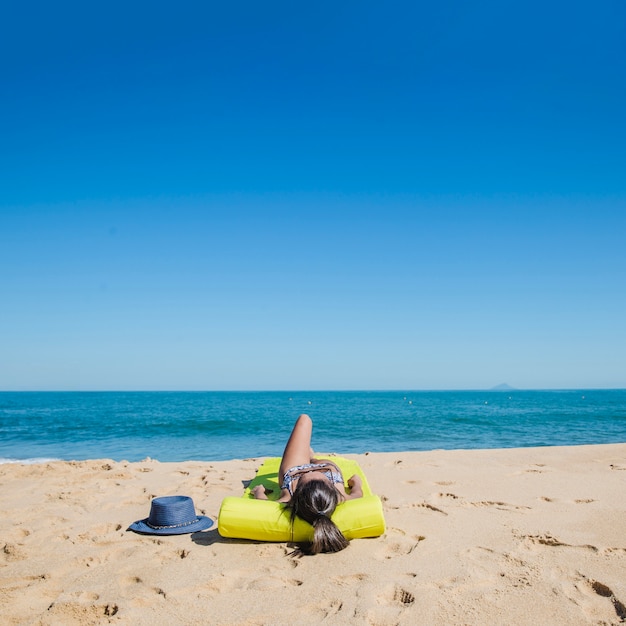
193, 521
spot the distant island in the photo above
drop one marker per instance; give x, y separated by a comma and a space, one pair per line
503, 387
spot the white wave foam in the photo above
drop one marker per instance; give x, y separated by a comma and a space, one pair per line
33, 461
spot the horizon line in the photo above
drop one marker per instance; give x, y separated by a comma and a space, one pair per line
497, 388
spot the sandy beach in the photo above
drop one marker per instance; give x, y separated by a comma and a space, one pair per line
523, 536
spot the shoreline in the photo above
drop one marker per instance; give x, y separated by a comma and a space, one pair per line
355, 455
474, 536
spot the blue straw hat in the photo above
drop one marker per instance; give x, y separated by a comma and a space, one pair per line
172, 515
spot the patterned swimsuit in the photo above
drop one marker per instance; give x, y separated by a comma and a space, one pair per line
293, 472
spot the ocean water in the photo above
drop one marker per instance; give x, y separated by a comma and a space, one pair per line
180, 426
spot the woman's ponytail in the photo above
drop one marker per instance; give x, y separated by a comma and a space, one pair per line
326, 536
314, 502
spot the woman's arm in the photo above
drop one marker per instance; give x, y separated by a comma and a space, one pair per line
259, 493
356, 489
298, 448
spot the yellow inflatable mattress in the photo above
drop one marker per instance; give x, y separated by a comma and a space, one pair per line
267, 520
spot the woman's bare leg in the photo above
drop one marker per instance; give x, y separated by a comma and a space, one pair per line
298, 448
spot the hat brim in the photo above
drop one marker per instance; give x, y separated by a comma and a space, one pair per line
142, 527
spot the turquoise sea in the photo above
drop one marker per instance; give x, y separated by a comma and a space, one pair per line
179, 426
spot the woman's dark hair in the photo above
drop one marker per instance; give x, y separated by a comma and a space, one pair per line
314, 502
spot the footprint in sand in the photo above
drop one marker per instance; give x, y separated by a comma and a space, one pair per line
13, 552
602, 590
502, 568
503, 506
100, 533
331, 608
397, 596
91, 561
577, 501
410, 505
392, 604
591, 597
351, 580
227, 582
11, 586
426, 505
397, 544
548, 540
452, 496
86, 596
87, 613
272, 583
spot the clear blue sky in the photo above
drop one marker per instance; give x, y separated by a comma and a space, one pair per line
352, 195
